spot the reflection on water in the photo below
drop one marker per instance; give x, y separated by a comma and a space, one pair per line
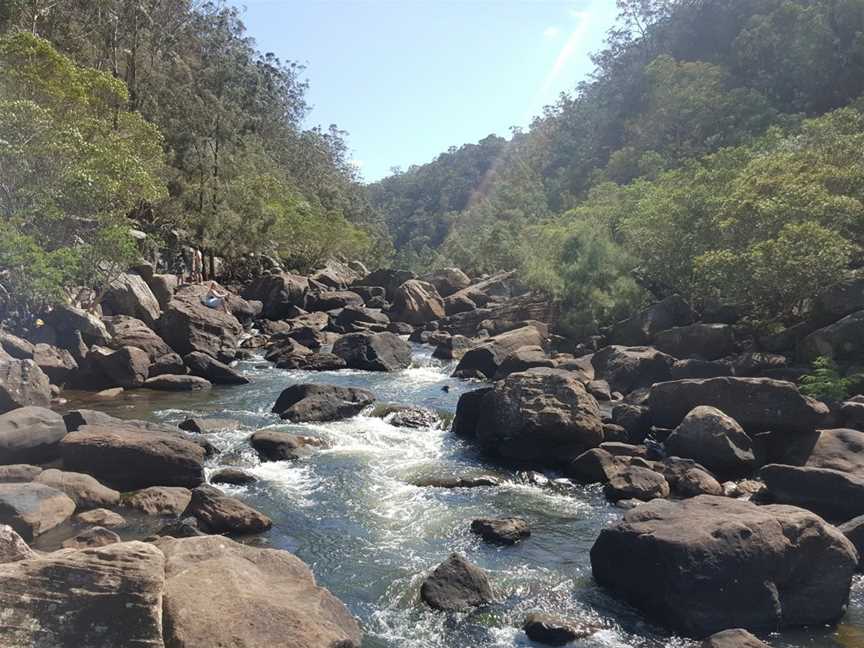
351, 512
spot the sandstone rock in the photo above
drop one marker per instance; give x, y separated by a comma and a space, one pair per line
593, 466
163, 287
635, 419
706, 341
408, 416
373, 351
695, 368
640, 329
101, 518
18, 473
126, 367
18, 348
354, 319
332, 300
522, 359
273, 445
456, 585
215, 586
131, 332
87, 598
159, 500
629, 368
130, 295
311, 402
22, 383
32, 509
841, 341
278, 293
488, 356
760, 568
187, 325
477, 481
505, 531
93, 537
695, 482
30, 435
757, 404
218, 373
12, 546
448, 281
541, 416
233, 476
85, 491
468, 412
92, 329
853, 530
209, 425
58, 364
737, 638
416, 302
455, 304
220, 513
171, 382
634, 482
551, 631
130, 458
831, 493
715, 440
390, 279
167, 365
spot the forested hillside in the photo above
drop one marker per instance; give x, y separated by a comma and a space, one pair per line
716, 152
162, 115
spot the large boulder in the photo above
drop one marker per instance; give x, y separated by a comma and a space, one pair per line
373, 351
843, 341
70, 318
331, 300
130, 295
629, 368
715, 440
187, 325
456, 585
30, 435
131, 332
85, 491
221, 513
22, 383
17, 347
218, 373
505, 531
757, 404
837, 301
308, 402
522, 359
354, 319
32, 509
390, 279
448, 281
640, 329
86, 598
279, 293
468, 410
487, 357
736, 565
163, 287
222, 593
539, 417
706, 341
128, 457
636, 482
159, 500
127, 367
416, 302
56, 363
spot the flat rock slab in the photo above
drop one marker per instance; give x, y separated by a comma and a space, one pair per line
221, 593
88, 598
129, 457
32, 509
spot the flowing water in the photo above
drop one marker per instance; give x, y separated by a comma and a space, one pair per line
370, 536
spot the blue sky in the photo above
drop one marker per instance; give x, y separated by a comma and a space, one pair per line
409, 79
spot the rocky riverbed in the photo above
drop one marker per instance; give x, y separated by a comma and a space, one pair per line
471, 487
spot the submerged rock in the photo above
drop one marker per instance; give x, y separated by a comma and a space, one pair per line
275, 445
456, 585
221, 513
552, 631
737, 638
741, 565
311, 402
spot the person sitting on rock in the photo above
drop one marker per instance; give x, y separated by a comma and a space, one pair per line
215, 298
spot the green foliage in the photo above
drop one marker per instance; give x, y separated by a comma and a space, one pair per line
73, 164
825, 381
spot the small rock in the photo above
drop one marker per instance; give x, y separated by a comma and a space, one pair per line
94, 537
220, 513
737, 638
184, 528
159, 500
456, 585
208, 425
101, 517
551, 631
273, 445
169, 382
636, 483
233, 476
501, 531
32, 509
457, 482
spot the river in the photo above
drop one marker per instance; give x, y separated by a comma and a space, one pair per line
370, 536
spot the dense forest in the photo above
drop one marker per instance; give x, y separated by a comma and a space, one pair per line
715, 152
165, 113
